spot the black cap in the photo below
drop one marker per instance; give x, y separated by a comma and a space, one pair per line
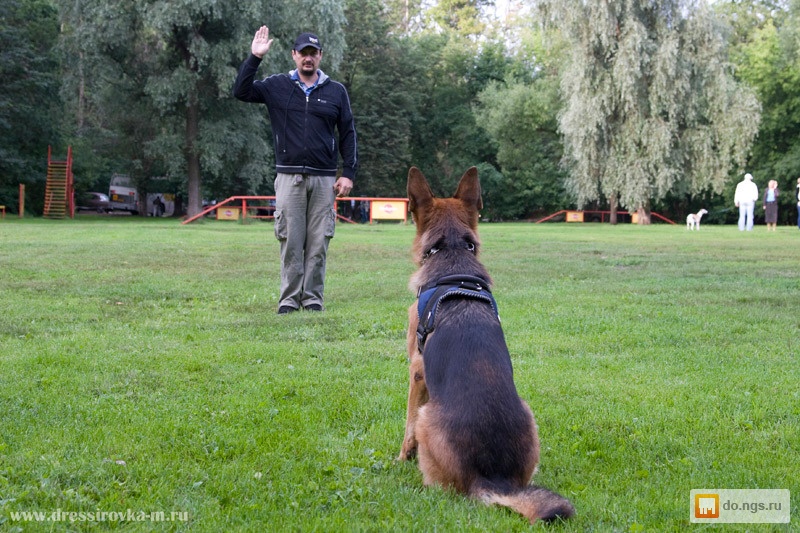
304, 40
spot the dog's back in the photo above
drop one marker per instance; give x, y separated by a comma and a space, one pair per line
474, 433
473, 401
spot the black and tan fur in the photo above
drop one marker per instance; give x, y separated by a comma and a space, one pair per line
465, 421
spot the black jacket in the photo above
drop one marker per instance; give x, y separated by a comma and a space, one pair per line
303, 126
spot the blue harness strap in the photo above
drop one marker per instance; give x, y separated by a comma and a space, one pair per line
456, 286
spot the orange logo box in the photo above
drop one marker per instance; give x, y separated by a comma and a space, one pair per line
706, 505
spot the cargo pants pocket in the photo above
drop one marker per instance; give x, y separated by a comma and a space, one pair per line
280, 225
330, 224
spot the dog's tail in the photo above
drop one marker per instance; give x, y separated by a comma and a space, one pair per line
534, 503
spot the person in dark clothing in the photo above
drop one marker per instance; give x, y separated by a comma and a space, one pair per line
771, 205
158, 207
311, 117
797, 194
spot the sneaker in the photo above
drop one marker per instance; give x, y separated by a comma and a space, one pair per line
286, 309
313, 307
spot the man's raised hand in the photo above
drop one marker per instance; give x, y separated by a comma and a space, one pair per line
261, 42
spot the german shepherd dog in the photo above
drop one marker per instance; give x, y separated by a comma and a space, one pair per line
465, 421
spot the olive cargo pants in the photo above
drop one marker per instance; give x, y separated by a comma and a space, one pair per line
305, 221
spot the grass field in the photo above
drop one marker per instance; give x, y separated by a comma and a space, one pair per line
143, 368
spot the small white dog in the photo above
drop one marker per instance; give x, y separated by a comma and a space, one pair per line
693, 220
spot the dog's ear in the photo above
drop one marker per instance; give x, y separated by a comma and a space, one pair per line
469, 189
420, 195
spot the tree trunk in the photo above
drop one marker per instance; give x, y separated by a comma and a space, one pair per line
613, 204
195, 202
644, 214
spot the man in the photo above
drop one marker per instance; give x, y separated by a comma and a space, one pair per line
745, 199
306, 108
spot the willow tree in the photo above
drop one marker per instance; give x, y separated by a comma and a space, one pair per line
651, 105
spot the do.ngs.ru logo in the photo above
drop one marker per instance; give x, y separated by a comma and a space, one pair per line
706, 505
753, 506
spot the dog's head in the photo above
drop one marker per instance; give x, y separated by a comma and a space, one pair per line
444, 223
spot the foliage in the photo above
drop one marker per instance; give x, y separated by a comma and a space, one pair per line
375, 71
450, 72
176, 63
766, 51
108, 115
651, 104
520, 116
461, 16
521, 121
404, 16
29, 101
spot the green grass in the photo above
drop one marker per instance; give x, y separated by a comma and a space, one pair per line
143, 367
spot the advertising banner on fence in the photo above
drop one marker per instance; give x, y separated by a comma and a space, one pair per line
388, 210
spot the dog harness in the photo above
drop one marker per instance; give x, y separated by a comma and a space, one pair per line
456, 286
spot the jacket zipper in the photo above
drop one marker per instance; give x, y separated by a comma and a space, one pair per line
305, 127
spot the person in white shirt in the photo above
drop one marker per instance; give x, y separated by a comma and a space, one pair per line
745, 199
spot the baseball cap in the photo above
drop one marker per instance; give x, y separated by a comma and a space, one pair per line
748, 176
304, 40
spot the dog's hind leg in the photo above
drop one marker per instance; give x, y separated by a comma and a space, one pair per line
417, 396
439, 461
417, 390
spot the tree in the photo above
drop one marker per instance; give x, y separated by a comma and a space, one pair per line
374, 70
765, 49
109, 117
520, 115
651, 104
196, 44
449, 72
462, 16
403, 16
521, 120
170, 68
29, 102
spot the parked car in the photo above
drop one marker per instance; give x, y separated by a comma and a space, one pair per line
93, 201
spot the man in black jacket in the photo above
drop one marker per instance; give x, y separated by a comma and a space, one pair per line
306, 109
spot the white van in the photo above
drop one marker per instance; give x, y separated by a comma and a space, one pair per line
122, 192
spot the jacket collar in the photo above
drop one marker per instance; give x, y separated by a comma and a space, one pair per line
321, 78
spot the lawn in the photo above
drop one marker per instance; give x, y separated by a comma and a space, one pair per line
143, 370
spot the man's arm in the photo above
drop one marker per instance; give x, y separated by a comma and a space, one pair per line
348, 145
243, 86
